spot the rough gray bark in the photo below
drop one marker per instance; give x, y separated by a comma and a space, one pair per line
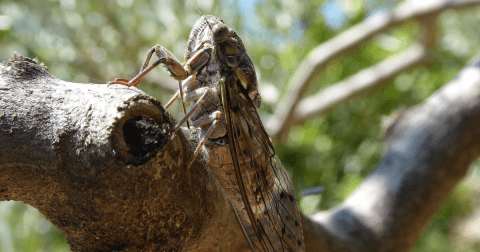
102, 165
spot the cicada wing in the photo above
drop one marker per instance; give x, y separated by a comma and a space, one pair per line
270, 190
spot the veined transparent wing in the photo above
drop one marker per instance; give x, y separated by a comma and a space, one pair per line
265, 186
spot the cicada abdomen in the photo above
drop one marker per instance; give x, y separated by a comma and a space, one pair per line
270, 196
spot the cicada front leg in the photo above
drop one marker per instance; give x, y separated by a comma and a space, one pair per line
174, 67
165, 57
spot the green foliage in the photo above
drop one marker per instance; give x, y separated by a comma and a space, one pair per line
98, 41
458, 205
23, 228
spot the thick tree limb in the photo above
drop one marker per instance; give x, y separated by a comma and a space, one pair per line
280, 123
102, 166
430, 148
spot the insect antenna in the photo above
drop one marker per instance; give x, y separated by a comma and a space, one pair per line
194, 6
201, 15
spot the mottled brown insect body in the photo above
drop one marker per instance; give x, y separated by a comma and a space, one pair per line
266, 183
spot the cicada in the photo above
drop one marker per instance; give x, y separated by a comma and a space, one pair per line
220, 84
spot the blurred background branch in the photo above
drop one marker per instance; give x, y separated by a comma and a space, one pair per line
431, 147
287, 113
98, 41
361, 82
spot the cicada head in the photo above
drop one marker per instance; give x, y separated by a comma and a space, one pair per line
211, 31
227, 50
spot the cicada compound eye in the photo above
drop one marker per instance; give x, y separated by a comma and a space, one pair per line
220, 32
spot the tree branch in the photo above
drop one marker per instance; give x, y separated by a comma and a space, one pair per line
101, 164
430, 148
279, 124
362, 82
